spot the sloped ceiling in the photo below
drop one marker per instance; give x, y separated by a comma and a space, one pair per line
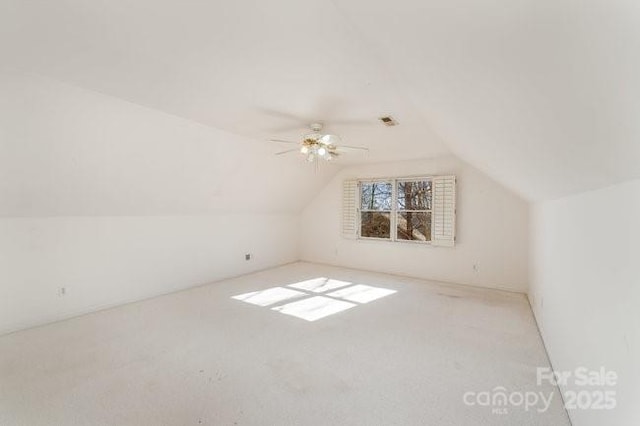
543, 95
258, 69
67, 151
540, 94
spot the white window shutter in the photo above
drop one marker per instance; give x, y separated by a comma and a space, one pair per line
350, 208
443, 213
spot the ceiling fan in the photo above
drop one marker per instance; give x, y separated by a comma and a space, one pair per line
318, 146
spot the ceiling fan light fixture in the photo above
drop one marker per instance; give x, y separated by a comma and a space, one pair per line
318, 146
330, 139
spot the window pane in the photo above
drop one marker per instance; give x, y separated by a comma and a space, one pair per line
414, 226
375, 225
375, 196
414, 195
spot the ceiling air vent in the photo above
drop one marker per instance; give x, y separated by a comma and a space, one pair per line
389, 121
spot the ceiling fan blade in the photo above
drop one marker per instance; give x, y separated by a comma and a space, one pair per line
288, 128
362, 148
283, 141
351, 122
287, 151
284, 115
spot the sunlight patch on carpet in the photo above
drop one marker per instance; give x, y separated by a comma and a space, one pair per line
337, 296
314, 308
269, 296
361, 293
319, 285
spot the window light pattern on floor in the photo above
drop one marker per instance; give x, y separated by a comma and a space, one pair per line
337, 296
318, 285
314, 308
269, 296
361, 293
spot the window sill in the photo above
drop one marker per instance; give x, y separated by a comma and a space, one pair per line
384, 240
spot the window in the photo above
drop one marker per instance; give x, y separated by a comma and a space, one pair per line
376, 201
397, 209
416, 209
413, 214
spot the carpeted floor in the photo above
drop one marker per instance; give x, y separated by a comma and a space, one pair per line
392, 351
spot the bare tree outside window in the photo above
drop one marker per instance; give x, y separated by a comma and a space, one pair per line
396, 210
375, 209
413, 216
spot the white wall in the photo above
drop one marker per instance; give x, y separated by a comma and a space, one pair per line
117, 202
585, 290
66, 151
106, 261
492, 231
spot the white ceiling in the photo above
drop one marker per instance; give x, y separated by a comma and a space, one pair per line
255, 68
543, 95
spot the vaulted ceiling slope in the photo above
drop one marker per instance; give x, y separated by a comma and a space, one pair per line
540, 94
544, 95
67, 151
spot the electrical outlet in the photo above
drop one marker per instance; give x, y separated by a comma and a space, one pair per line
247, 256
62, 291
476, 267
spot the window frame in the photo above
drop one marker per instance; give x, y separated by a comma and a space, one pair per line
360, 210
393, 213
